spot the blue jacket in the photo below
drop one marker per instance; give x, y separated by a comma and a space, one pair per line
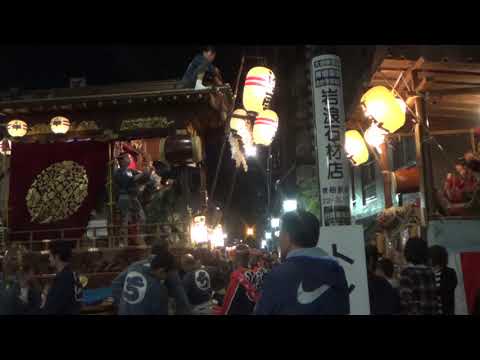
309, 282
143, 295
198, 65
173, 284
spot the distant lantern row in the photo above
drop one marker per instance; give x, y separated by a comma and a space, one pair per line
19, 128
257, 94
387, 113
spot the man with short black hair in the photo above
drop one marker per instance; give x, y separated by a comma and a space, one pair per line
173, 282
445, 279
145, 293
418, 293
308, 282
200, 65
384, 299
197, 285
65, 293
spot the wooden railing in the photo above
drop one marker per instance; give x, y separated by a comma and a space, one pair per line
92, 239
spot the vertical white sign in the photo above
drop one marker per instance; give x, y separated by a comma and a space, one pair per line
346, 244
333, 171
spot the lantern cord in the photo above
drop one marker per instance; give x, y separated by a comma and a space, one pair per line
227, 129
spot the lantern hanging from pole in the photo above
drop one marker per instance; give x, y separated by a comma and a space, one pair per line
266, 125
258, 89
355, 147
375, 136
384, 107
60, 125
17, 128
237, 123
6, 147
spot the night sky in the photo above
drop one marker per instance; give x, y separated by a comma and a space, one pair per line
50, 66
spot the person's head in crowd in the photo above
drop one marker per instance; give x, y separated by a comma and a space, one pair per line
209, 53
60, 254
159, 247
188, 263
274, 256
469, 156
438, 256
371, 254
462, 168
123, 160
416, 251
385, 268
161, 265
299, 229
242, 255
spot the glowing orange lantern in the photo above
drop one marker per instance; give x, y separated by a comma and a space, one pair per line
258, 89
266, 125
385, 108
355, 147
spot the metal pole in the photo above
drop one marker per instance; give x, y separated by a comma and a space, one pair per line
269, 179
227, 129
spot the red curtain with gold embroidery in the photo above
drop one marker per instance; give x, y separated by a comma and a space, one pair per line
29, 160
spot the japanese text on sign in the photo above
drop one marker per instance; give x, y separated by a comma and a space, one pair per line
330, 127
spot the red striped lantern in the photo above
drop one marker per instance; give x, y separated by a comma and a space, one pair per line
60, 125
17, 128
6, 147
265, 128
258, 89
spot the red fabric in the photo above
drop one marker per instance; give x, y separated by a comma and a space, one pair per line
471, 276
456, 187
28, 160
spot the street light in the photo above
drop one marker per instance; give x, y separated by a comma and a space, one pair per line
268, 235
289, 205
275, 222
277, 233
250, 231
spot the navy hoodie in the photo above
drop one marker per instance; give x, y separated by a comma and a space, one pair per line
309, 282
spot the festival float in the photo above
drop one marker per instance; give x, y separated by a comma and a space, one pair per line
413, 146
59, 153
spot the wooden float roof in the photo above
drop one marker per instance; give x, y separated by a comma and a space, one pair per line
453, 89
124, 93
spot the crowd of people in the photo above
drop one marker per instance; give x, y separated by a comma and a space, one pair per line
303, 281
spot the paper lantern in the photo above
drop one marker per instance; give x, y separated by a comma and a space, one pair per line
60, 125
375, 136
17, 128
199, 231
6, 147
237, 123
355, 147
258, 89
384, 107
265, 128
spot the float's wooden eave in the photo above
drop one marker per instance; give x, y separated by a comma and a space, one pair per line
117, 94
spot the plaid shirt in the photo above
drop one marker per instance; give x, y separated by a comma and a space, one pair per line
418, 292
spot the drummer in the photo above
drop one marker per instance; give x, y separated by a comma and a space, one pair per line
127, 181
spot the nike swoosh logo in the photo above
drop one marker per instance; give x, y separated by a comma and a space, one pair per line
308, 297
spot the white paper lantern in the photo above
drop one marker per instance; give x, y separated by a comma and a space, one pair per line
60, 125
17, 128
265, 128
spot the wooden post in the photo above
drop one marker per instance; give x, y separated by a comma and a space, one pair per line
387, 184
110, 190
424, 162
